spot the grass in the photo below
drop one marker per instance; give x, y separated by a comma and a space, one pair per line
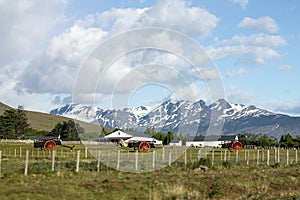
225, 180
46, 122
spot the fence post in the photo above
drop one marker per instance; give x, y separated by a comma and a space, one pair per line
185, 157
248, 157
275, 155
296, 159
170, 157
15, 152
53, 160
153, 159
20, 152
77, 162
118, 160
278, 155
163, 153
236, 156
0, 163
287, 157
262, 154
98, 161
136, 160
212, 157
257, 159
225, 155
85, 153
268, 157
26, 163
221, 155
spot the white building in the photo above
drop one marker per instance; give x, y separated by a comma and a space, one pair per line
131, 137
175, 142
211, 141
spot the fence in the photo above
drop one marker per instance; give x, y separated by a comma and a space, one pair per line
29, 160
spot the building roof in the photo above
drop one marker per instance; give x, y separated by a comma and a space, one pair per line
118, 135
213, 138
175, 141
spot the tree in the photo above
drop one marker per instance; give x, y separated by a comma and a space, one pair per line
67, 130
13, 123
21, 125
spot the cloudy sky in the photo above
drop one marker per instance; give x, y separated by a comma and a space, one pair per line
46, 48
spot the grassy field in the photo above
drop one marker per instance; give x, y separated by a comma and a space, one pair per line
46, 122
224, 180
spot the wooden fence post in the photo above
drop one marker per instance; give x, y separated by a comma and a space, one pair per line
225, 156
85, 153
221, 158
163, 153
26, 163
296, 159
136, 160
257, 159
118, 160
77, 161
212, 157
0, 164
268, 157
236, 156
153, 159
287, 157
20, 152
185, 158
275, 155
98, 161
15, 152
278, 155
248, 157
170, 157
53, 160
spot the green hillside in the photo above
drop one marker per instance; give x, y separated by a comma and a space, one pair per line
44, 121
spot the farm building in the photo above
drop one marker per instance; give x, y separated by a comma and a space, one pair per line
131, 137
176, 142
211, 141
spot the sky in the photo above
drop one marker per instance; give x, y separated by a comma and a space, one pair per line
48, 51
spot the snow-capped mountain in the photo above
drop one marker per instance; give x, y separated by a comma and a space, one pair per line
188, 117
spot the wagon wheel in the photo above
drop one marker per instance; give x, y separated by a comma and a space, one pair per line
144, 147
49, 145
236, 146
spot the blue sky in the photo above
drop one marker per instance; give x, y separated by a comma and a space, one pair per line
253, 44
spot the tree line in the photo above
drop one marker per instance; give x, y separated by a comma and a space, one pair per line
263, 140
14, 125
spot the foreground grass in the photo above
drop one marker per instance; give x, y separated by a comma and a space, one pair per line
225, 180
233, 182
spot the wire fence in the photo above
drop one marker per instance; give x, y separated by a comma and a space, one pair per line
26, 160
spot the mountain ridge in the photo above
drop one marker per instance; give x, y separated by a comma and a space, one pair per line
188, 117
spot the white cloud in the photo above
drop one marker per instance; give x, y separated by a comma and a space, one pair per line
256, 48
242, 3
173, 14
54, 69
237, 95
286, 68
25, 25
265, 23
238, 72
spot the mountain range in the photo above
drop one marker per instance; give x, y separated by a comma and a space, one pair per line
188, 117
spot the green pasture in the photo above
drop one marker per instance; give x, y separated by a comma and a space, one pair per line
223, 180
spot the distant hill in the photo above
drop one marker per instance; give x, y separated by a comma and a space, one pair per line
44, 121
